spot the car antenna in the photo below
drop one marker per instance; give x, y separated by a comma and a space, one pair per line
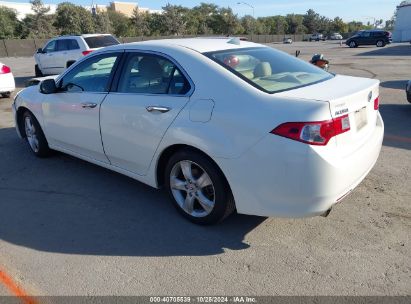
234, 40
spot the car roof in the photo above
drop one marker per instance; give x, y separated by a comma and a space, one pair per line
83, 35
201, 45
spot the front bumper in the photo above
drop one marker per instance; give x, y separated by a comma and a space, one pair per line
281, 177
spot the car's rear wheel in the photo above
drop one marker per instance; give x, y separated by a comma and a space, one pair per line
380, 43
35, 136
37, 71
198, 188
353, 44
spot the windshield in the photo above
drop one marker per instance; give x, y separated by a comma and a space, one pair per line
100, 41
269, 70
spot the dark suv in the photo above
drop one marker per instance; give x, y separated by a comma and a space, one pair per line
379, 38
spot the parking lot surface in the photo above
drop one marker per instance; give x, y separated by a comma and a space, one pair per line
68, 227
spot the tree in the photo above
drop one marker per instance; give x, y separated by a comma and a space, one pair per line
102, 23
73, 19
225, 22
10, 27
39, 24
249, 24
339, 26
203, 16
295, 24
140, 22
120, 24
173, 19
311, 21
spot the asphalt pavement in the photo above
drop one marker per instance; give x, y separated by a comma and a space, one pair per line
68, 227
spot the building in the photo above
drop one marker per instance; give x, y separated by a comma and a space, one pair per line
402, 28
24, 9
127, 8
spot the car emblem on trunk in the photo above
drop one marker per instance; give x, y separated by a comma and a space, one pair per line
369, 96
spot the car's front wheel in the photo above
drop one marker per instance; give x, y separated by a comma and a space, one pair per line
353, 44
35, 136
380, 43
37, 71
198, 188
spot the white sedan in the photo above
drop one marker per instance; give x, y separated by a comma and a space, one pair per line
222, 124
7, 84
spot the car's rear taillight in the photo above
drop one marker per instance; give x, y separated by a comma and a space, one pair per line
314, 133
86, 52
5, 69
376, 103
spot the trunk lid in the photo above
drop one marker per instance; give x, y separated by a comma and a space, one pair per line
346, 95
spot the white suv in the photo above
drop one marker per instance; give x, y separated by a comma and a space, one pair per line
61, 52
317, 37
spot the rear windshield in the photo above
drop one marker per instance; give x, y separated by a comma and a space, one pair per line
101, 41
269, 70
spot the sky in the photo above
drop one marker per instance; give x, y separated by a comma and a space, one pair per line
348, 10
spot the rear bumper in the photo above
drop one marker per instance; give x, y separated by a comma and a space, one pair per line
281, 177
7, 83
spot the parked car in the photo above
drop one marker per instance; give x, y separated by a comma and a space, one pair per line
380, 38
317, 37
336, 36
279, 138
7, 84
60, 52
408, 91
287, 40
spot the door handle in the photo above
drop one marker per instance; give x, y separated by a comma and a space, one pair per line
88, 105
157, 109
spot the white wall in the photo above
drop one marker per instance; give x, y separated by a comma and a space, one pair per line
24, 9
402, 28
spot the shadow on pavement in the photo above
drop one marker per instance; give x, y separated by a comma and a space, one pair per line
395, 84
398, 50
397, 120
62, 204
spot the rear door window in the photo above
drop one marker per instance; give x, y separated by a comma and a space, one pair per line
62, 45
101, 41
72, 44
152, 74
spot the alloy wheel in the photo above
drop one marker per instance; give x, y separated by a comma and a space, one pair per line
192, 188
31, 134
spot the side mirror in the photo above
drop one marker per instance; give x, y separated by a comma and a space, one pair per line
40, 51
48, 86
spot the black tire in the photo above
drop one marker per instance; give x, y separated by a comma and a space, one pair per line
37, 71
380, 43
43, 149
6, 94
353, 44
223, 199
